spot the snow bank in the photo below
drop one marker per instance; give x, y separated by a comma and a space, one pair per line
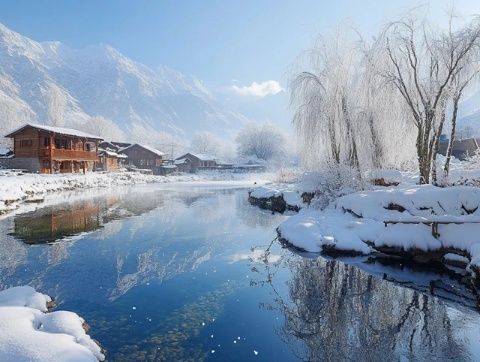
27, 333
316, 231
395, 218
415, 203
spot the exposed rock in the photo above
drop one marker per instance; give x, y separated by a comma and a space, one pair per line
382, 182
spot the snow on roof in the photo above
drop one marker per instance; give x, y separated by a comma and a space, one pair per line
200, 156
180, 161
169, 166
111, 153
148, 148
204, 156
59, 130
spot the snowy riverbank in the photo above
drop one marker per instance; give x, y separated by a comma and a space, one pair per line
423, 223
29, 333
18, 188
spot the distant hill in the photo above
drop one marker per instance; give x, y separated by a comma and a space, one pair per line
41, 79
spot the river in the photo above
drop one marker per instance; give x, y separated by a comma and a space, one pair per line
167, 273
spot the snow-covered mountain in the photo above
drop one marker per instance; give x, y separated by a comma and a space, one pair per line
41, 80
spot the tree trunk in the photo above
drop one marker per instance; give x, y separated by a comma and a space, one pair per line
377, 156
446, 168
436, 143
424, 171
353, 154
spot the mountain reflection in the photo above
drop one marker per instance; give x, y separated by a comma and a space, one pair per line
339, 312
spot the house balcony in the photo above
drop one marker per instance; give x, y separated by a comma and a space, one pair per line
59, 154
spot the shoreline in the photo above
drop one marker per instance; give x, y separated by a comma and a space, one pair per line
26, 192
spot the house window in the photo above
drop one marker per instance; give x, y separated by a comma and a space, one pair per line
88, 147
46, 141
142, 162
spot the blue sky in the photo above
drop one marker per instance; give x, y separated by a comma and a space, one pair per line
216, 41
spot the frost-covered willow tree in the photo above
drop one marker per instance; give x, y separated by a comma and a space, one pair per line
430, 68
344, 113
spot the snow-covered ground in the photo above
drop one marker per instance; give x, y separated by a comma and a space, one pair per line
394, 218
29, 333
17, 188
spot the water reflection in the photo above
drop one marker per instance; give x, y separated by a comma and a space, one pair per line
53, 223
339, 312
158, 272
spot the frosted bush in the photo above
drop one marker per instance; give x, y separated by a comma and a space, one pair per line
332, 182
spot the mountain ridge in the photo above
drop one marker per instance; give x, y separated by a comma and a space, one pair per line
44, 81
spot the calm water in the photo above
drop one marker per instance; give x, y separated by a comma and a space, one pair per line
171, 274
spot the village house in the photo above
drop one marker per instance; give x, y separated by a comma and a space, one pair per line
144, 157
46, 149
192, 162
110, 160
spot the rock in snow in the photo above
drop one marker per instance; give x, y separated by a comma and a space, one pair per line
29, 333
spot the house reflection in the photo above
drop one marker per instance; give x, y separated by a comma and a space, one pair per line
51, 224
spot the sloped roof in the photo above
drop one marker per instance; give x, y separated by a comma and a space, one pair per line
110, 153
57, 130
200, 156
204, 156
148, 148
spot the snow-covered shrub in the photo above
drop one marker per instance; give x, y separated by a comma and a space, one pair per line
330, 183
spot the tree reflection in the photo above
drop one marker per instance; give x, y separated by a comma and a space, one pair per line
339, 312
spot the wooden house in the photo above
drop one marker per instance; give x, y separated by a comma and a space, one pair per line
144, 157
109, 160
195, 161
46, 149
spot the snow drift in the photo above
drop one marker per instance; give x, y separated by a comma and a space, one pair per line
29, 333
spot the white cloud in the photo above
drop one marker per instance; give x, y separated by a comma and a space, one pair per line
269, 87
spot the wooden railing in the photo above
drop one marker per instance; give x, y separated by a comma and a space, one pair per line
63, 154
